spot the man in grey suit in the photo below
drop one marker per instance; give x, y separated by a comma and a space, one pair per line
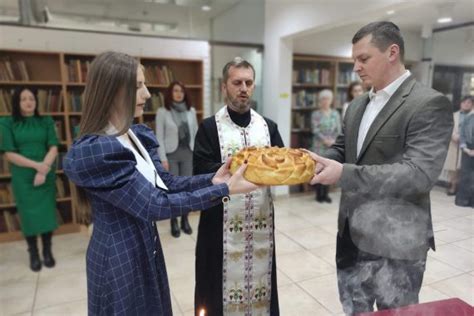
387, 159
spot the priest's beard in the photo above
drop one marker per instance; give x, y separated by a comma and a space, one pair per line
238, 105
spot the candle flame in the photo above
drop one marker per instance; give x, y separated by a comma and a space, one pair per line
202, 312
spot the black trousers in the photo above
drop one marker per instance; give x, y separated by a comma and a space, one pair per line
364, 279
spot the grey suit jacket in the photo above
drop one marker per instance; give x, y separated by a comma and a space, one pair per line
167, 131
386, 189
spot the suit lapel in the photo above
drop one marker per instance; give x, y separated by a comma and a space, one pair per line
397, 99
353, 124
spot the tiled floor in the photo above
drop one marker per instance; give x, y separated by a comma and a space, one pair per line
305, 241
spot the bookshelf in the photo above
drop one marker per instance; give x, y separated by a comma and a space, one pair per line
310, 75
59, 78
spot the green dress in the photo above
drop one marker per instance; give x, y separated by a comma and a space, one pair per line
31, 137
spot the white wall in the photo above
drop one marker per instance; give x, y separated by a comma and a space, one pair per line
242, 23
454, 47
13, 37
337, 42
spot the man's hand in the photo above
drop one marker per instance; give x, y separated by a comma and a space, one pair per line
327, 171
223, 174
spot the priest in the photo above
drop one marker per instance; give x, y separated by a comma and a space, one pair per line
235, 252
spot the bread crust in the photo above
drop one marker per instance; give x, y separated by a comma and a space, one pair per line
274, 165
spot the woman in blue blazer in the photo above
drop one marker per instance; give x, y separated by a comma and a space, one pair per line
118, 176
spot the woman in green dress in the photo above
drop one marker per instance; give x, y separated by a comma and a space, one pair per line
29, 142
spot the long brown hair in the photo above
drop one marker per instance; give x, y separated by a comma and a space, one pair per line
353, 84
110, 89
169, 95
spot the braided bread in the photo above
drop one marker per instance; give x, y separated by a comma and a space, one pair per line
274, 166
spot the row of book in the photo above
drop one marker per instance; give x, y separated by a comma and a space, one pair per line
10, 221
5, 102
320, 76
59, 126
301, 121
6, 193
4, 165
76, 99
77, 70
340, 99
347, 76
156, 101
159, 75
49, 101
305, 99
13, 70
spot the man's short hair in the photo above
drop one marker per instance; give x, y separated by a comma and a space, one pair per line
384, 34
237, 62
467, 97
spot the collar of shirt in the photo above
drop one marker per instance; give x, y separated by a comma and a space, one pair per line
389, 90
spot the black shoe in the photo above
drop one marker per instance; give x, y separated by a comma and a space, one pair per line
185, 227
175, 232
449, 193
48, 258
327, 199
35, 262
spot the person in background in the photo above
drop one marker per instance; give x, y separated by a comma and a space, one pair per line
30, 144
453, 160
119, 180
354, 90
326, 125
176, 128
465, 194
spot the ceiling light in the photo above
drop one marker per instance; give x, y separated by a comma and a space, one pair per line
445, 20
445, 12
206, 8
390, 12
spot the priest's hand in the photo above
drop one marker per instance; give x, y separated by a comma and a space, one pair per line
223, 174
237, 183
327, 171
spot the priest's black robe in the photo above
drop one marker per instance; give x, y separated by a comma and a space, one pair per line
209, 247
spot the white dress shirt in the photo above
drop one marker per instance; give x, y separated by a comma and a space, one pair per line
377, 102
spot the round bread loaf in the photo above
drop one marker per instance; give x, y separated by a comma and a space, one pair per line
274, 165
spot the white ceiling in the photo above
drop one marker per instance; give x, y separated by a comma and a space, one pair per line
181, 15
177, 14
427, 12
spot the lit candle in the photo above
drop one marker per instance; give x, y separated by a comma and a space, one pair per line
202, 312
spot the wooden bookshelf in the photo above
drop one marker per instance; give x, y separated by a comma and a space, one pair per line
311, 74
61, 77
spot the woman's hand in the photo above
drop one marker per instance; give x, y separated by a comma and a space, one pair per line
39, 179
42, 168
223, 174
166, 165
237, 183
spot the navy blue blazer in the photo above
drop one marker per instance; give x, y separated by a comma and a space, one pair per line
126, 273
